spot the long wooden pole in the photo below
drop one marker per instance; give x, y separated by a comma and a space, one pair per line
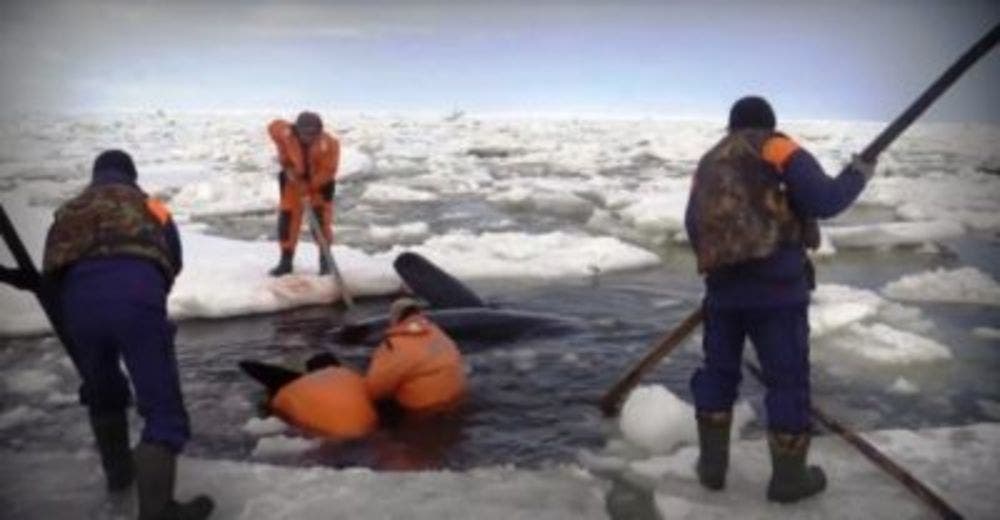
971, 56
611, 402
41, 288
316, 230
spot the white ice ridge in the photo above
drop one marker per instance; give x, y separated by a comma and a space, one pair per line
62, 485
962, 285
962, 464
884, 344
891, 234
865, 325
512, 254
384, 192
226, 277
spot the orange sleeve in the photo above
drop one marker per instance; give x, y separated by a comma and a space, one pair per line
778, 150
279, 130
389, 367
159, 210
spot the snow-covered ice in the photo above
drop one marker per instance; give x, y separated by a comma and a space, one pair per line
882, 343
836, 306
262, 427
279, 446
540, 199
962, 285
50, 484
960, 463
890, 234
656, 420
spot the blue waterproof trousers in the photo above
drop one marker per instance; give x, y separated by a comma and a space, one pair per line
113, 319
780, 336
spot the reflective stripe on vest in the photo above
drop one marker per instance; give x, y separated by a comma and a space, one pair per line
778, 150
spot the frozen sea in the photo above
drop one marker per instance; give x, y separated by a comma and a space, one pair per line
582, 218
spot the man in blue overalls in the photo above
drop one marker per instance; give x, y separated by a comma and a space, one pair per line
750, 217
113, 253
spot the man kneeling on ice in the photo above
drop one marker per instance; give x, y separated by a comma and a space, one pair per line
417, 367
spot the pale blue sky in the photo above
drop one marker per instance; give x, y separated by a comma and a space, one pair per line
853, 59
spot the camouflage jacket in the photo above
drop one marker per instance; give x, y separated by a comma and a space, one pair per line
741, 206
109, 220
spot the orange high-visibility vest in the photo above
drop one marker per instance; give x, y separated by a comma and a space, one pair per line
332, 402
419, 366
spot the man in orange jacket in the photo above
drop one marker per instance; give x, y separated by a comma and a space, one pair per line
309, 158
417, 367
417, 364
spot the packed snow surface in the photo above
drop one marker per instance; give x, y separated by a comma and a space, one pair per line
960, 463
962, 285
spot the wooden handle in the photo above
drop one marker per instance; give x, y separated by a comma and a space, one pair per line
612, 400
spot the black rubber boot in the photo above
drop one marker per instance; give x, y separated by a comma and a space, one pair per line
284, 265
111, 435
324, 266
791, 479
713, 440
156, 471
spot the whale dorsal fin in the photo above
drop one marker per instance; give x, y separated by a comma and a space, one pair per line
438, 288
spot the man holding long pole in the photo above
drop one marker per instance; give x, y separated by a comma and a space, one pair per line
751, 215
309, 158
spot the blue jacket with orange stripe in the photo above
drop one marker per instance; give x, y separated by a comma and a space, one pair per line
782, 278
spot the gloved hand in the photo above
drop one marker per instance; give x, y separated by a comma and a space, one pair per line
860, 165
